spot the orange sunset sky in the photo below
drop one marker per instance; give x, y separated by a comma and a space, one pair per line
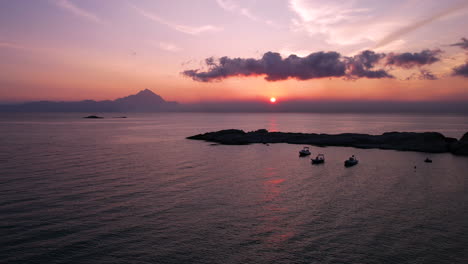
84, 49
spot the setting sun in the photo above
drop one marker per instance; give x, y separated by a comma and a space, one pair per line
273, 99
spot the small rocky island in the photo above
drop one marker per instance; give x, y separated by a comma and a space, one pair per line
93, 117
431, 142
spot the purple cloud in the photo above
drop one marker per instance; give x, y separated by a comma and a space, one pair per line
275, 68
461, 70
408, 60
427, 75
315, 65
362, 64
462, 44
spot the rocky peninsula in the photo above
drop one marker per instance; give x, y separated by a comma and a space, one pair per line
431, 142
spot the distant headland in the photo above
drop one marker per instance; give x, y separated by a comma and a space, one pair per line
431, 142
143, 101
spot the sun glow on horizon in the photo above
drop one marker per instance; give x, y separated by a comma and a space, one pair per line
273, 100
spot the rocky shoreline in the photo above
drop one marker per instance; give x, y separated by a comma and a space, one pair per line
431, 142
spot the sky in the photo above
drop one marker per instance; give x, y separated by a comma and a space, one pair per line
227, 50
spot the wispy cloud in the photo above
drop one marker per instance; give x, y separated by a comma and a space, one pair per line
227, 5
337, 22
354, 23
11, 45
192, 30
395, 35
168, 47
231, 6
427, 75
325, 14
77, 11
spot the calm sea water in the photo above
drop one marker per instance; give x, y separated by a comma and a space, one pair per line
134, 190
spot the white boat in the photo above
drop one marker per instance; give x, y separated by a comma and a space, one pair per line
304, 152
351, 161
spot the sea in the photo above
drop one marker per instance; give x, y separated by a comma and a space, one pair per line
135, 190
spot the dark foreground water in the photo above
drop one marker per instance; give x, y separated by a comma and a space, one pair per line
134, 190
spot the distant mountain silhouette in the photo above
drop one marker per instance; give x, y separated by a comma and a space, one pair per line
143, 101
145, 96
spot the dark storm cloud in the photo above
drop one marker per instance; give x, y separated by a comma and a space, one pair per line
461, 70
315, 65
409, 60
463, 44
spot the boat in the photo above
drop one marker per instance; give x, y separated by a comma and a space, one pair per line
304, 152
351, 161
428, 160
319, 159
